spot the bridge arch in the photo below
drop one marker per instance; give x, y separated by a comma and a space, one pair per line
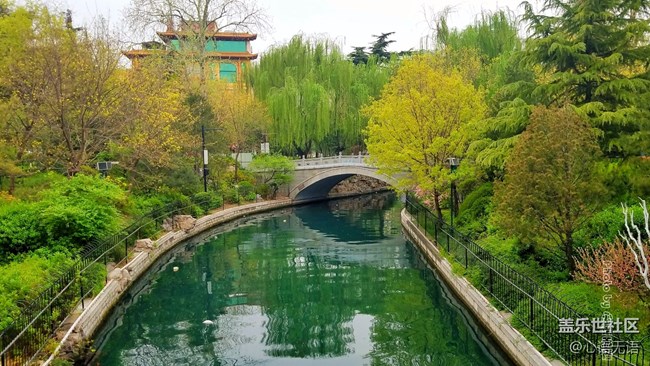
319, 184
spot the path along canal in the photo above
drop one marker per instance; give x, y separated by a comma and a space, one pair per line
332, 283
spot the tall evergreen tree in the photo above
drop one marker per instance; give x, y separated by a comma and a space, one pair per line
380, 45
358, 56
594, 54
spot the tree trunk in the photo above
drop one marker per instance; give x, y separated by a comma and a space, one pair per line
436, 203
569, 252
237, 166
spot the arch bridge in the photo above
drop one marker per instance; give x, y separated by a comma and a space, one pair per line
314, 178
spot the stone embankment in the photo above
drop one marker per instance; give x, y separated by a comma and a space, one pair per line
358, 184
511, 341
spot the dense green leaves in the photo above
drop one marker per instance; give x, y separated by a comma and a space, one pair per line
594, 55
69, 215
551, 186
314, 95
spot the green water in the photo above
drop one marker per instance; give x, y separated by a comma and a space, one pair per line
325, 284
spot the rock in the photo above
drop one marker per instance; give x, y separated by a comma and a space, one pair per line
167, 225
110, 266
115, 274
184, 222
144, 245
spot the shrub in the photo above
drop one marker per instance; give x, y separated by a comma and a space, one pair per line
24, 279
475, 210
613, 260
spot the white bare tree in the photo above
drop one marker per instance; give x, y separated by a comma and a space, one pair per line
634, 240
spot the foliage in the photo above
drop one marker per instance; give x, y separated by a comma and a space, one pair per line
550, 186
23, 279
69, 215
426, 114
314, 95
159, 131
593, 54
475, 210
492, 35
379, 47
604, 226
241, 117
272, 171
613, 263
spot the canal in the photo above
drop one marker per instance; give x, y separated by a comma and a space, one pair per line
332, 283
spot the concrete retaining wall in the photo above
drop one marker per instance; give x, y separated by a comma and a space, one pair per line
510, 340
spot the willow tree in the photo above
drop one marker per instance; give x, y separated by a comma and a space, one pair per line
427, 113
314, 95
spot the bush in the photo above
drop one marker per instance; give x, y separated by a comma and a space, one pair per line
24, 279
207, 200
475, 210
70, 214
605, 225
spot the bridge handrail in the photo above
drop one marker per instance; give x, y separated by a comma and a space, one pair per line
359, 159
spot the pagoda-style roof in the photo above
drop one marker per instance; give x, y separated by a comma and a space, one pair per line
131, 54
225, 36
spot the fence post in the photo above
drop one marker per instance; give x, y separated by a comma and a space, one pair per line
465, 257
81, 290
532, 318
126, 249
448, 250
425, 224
3, 359
490, 279
435, 232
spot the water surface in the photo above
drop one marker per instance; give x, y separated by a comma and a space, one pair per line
324, 284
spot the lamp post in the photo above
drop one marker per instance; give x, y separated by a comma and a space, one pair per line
205, 156
205, 160
453, 165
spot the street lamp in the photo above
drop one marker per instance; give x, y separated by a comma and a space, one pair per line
205, 156
453, 165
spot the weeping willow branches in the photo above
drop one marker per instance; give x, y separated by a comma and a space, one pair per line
314, 95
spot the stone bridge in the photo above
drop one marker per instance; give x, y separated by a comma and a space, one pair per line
314, 178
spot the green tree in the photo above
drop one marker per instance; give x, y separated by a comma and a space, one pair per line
272, 171
593, 54
358, 56
314, 95
379, 47
550, 186
427, 113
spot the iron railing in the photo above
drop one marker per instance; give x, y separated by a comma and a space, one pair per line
30, 330
538, 310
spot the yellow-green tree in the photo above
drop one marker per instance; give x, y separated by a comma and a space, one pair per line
426, 114
157, 128
242, 119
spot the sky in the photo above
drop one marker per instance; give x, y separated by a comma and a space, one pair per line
348, 22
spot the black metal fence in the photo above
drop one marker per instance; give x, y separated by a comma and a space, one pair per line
534, 307
30, 331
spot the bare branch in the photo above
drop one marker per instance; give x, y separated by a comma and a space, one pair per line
634, 240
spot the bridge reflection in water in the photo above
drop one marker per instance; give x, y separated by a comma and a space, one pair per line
327, 284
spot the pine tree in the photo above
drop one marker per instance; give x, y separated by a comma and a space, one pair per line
594, 54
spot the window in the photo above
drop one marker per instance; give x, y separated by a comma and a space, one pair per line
228, 72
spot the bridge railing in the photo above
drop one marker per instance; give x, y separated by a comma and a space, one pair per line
37, 321
537, 309
332, 160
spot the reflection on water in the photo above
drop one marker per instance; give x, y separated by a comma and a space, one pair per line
326, 284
